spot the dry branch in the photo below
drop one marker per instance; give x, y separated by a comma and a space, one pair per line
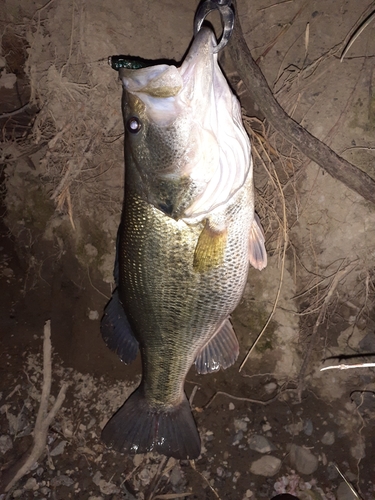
43, 419
317, 151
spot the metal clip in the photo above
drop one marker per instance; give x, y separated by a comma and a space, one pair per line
226, 14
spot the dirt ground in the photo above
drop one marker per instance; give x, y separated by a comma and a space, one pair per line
279, 425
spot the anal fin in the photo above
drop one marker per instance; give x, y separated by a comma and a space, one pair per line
116, 330
220, 352
257, 249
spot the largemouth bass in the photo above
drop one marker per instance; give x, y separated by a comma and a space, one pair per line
187, 235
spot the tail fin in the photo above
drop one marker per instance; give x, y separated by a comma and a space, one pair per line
138, 427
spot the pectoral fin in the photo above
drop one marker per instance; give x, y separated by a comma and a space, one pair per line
257, 249
220, 352
210, 249
116, 330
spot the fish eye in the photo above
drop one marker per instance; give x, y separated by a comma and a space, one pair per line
133, 125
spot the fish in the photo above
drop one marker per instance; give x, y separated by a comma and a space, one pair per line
187, 236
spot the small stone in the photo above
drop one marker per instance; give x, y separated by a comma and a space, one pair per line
332, 472
93, 315
294, 429
59, 449
91, 250
106, 487
345, 493
266, 466
358, 450
266, 427
7, 80
260, 444
145, 477
61, 480
137, 460
5, 443
67, 429
328, 438
270, 387
220, 471
240, 425
175, 477
231, 406
39, 471
8, 272
308, 427
17, 493
31, 484
249, 494
303, 460
237, 438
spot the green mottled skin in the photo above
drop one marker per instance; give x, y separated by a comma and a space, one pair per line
173, 309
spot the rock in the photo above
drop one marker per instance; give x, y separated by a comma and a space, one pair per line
17, 493
345, 493
332, 472
59, 449
5, 443
31, 484
237, 438
367, 344
260, 444
93, 315
240, 425
270, 387
7, 80
308, 427
358, 450
294, 429
328, 438
106, 487
91, 250
303, 460
137, 460
176, 476
231, 406
266, 466
61, 480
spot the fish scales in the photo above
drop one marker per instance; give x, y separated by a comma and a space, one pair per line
176, 309
187, 236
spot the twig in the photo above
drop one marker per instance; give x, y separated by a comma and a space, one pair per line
43, 419
343, 366
15, 112
248, 400
157, 478
192, 463
348, 483
356, 34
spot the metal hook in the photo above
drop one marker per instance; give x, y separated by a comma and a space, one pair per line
226, 14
